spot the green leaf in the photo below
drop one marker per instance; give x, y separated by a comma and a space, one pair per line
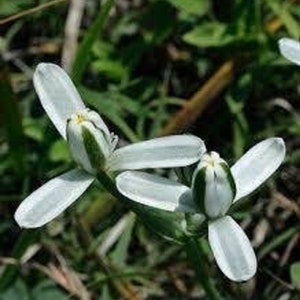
107, 62
295, 274
208, 35
33, 129
82, 56
112, 69
160, 27
11, 7
47, 290
279, 240
105, 295
120, 252
239, 126
194, 7
112, 106
17, 291
11, 120
59, 151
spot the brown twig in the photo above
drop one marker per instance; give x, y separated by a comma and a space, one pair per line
30, 11
201, 99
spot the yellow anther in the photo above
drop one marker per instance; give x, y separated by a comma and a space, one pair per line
79, 118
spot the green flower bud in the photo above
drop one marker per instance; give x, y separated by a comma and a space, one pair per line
213, 186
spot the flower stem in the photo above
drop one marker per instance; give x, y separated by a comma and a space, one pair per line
193, 249
108, 184
197, 257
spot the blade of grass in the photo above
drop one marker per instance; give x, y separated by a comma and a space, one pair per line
82, 55
26, 239
105, 294
277, 241
197, 258
97, 100
120, 253
11, 120
281, 10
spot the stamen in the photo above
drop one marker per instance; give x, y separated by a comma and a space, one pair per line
80, 117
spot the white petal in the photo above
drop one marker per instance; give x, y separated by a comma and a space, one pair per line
164, 152
257, 165
98, 122
155, 191
290, 49
77, 147
232, 249
47, 202
57, 93
218, 192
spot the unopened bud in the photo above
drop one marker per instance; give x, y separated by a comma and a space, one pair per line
89, 140
213, 186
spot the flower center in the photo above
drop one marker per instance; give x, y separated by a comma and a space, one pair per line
211, 159
79, 118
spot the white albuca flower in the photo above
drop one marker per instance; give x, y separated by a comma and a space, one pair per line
92, 147
290, 49
214, 188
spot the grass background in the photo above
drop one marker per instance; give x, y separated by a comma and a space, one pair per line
156, 67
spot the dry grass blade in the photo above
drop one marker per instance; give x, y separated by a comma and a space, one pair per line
289, 249
64, 275
66, 278
286, 203
201, 99
123, 286
30, 11
72, 27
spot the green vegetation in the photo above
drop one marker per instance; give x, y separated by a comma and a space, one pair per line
150, 68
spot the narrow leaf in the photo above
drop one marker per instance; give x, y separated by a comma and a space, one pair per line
11, 119
82, 56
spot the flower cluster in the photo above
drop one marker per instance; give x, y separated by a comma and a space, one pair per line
92, 147
215, 186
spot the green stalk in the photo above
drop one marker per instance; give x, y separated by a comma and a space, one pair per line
109, 185
194, 251
197, 258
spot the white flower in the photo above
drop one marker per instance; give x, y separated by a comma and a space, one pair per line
215, 187
92, 147
290, 49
